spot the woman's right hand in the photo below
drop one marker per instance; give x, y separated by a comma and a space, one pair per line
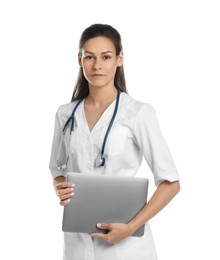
64, 190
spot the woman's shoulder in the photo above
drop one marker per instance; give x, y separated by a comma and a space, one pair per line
65, 109
137, 106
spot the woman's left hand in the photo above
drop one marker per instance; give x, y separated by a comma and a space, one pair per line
117, 232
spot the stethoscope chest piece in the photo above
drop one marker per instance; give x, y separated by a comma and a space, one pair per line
100, 161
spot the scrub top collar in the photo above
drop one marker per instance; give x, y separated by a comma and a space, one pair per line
81, 122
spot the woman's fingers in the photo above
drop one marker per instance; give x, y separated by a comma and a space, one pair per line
61, 192
63, 185
64, 202
65, 192
66, 195
65, 199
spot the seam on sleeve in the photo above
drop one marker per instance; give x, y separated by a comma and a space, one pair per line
170, 177
143, 105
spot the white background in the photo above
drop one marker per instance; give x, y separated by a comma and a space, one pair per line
172, 61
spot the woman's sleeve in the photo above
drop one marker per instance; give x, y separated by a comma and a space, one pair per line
151, 142
55, 172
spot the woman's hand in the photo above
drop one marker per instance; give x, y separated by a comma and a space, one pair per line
117, 232
64, 190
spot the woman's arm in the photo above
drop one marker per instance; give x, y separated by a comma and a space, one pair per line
161, 197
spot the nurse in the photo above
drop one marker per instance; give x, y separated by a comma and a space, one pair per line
112, 133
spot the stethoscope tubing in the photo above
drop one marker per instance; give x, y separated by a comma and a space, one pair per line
72, 119
110, 124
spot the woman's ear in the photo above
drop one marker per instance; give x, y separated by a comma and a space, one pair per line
120, 59
80, 59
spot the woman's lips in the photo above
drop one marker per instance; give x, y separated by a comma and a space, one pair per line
97, 75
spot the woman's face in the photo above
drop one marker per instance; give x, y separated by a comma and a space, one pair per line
99, 61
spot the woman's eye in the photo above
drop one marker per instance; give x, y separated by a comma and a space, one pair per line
89, 57
106, 57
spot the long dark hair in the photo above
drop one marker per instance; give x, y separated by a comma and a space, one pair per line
81, 87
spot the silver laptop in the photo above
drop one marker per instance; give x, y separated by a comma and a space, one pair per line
103, 199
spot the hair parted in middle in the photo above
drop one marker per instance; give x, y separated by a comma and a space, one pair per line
81, 89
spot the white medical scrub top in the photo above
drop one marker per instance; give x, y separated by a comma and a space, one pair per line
135, 134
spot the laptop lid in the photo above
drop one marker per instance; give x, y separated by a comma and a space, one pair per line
103, 199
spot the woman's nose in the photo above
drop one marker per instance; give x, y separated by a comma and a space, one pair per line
97, 64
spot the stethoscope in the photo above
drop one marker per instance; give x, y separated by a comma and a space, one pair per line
100, 161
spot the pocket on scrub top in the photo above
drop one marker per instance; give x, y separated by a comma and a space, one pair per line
116, 140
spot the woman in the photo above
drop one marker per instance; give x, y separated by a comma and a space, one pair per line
135, 133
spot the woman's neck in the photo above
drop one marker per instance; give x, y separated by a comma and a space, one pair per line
101, 96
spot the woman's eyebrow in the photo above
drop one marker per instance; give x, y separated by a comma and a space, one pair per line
104, 52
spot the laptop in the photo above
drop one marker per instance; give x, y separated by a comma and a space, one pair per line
103, 199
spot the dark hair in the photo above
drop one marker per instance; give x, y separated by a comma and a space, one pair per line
81, 87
